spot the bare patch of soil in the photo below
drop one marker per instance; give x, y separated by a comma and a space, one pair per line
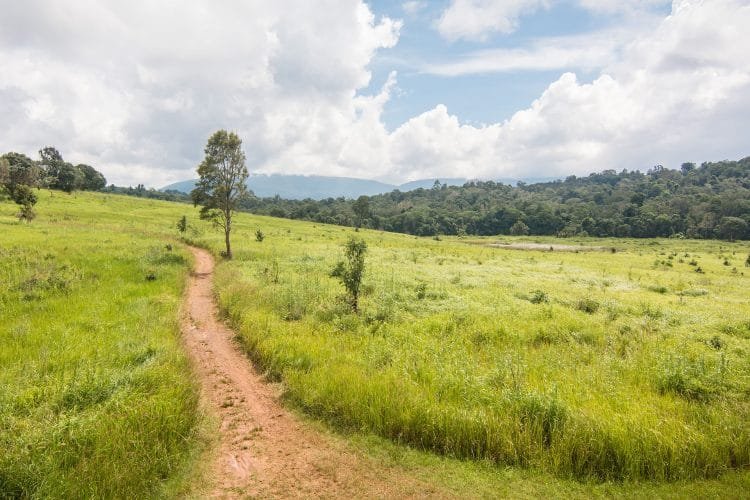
263, 449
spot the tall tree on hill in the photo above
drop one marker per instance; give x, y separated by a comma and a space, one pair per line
19, 170
93, 180
221, 184
361, 209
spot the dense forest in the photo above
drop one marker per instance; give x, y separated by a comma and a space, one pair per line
707, 201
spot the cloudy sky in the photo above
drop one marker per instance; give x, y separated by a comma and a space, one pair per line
390, 90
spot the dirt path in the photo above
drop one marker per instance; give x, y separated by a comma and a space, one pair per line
264, 450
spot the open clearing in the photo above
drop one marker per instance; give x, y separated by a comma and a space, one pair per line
638, 361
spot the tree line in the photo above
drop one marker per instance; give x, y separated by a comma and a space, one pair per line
19, 174
707, 201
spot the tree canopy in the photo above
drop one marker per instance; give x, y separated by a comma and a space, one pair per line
707, 201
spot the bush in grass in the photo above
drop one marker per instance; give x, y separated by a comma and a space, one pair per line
589, 306
259, 236
538, 297
182, 225
350, 272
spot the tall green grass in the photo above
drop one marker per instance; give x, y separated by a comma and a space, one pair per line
625, 365
96, 396
601, 366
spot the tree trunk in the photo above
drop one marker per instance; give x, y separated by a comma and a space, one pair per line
226, 239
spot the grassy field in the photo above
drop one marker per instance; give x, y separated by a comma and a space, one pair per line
600, 373
96, 397
628, 363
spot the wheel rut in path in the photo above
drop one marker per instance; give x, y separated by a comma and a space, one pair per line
264, 450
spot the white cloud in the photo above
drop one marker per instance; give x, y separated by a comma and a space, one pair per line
413, 6
139, 91
627, 7
137, 85
588, 52
477, 19
678, 93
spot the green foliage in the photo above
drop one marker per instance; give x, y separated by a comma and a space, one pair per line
4, 173
519, 229
709, 201
350, 272
732, 228
361, 209
26, 198
92, 179
538, 297
259, 236
182, 225
18, 170
68, 179
587, 305
221, 184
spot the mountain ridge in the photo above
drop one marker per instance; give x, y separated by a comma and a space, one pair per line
319, 187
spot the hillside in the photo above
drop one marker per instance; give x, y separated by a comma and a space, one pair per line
707, 201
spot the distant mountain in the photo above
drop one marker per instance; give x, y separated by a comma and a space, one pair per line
318, 187
428, 183
298, 187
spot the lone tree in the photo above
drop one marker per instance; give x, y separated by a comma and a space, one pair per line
221, 183
361, 209
26, 199
350, 272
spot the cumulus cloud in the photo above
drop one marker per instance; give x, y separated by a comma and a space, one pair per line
139, 90
477, 19
680, 92
136, 87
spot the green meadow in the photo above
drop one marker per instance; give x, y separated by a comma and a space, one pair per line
631, 362
491, 371
96, 396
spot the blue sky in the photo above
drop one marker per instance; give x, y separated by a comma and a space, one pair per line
476, 98
387, 90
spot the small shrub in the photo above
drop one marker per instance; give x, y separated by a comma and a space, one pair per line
182, 225
589, 306
658, 289
421, 289
716, 342
259, 236
350, 272
538, 297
